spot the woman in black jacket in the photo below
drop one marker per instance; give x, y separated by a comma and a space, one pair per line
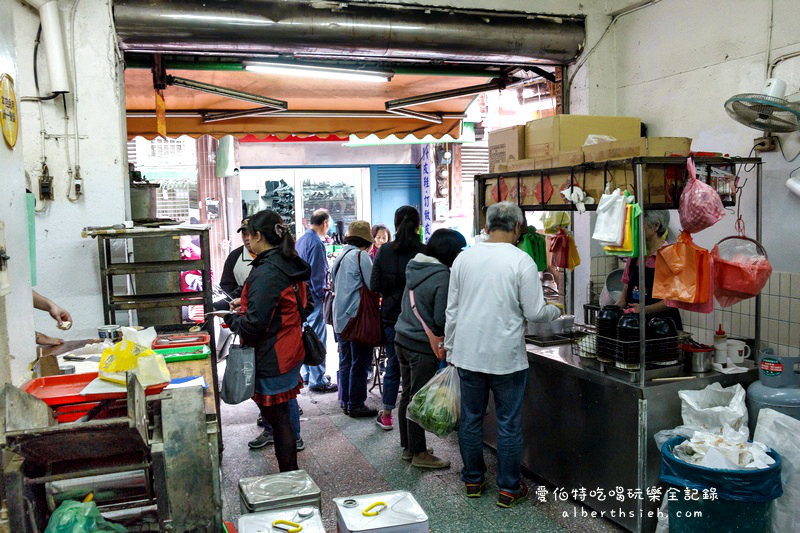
267, 318
389, 279
428, 275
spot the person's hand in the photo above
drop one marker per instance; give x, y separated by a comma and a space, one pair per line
632, 308
236, 305
59, 315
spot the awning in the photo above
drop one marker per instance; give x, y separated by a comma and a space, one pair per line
325, 107
467, 136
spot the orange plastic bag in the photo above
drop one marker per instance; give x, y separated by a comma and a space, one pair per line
682, 272
573, 259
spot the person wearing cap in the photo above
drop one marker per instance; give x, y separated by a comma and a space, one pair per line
354, 359
237, 265
311, 250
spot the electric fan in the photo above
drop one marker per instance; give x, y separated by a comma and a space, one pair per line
768, 111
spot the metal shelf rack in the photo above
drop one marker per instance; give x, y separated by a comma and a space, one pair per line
636, 165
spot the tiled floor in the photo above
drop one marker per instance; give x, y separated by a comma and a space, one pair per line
347, 456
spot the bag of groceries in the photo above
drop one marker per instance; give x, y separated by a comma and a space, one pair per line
437, 405
134, 353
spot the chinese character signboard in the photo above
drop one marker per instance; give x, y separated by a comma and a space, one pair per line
428, 182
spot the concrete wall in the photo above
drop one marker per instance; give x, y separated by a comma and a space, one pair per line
16, 309
66, 263
321, 153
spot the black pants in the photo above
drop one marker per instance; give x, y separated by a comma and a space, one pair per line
416, 369
280, 419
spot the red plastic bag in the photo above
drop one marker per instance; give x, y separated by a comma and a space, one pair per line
559, 249
741, 269
700, 206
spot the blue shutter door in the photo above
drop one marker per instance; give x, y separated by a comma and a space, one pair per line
393, 186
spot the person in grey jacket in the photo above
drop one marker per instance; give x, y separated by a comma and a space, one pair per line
354, 358
428, 275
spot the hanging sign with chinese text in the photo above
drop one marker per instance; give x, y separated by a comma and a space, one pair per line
9, 117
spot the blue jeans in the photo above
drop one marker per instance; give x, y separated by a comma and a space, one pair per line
391, 377
294, 413
509, 391
315, 375
354, 361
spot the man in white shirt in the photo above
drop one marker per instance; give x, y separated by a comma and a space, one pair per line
494, 289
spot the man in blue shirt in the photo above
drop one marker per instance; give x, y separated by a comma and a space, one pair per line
310, 248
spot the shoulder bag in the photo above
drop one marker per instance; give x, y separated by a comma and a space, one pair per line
239, 381
315, 350
365, 327
436, 341
330, 294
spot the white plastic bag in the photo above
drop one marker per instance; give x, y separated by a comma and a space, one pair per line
436, 407
779, 432
711, 408
609, 227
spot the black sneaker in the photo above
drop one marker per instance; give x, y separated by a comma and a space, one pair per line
475, 490
262, 440
362, 412
300, 444
260, 421
327, 387
506, 499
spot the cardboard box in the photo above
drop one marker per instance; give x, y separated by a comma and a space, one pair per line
549, 136
506, 144
642, 146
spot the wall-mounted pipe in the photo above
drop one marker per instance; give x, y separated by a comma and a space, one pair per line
360, 30
53, 35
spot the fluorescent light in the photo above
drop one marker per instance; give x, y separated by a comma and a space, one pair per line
328, 73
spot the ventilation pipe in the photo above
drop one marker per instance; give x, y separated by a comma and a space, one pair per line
53, 36
351, 30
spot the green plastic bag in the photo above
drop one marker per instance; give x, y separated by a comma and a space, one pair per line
80, 517
535, 245
437, 405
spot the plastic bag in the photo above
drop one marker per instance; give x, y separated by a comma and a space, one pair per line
699, 307
681, 272
559, 249
741, 269
239, 381
533, 244
610, 224
594, 138
573, 259
554, 221
134, 354
437, 405
80, 517
700, 206
779, 431
713, 407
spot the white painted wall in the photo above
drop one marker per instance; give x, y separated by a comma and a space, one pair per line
321, 153
66, 263
16, 309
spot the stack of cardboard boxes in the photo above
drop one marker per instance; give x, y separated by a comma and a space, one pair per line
559, 141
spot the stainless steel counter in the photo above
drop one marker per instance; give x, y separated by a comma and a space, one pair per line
586, 429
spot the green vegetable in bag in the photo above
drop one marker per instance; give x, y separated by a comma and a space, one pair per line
437, 405
80, 517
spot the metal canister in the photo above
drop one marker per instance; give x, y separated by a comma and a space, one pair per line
110, 332
279, 491
384, 512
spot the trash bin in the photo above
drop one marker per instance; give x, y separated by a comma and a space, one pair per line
744, 497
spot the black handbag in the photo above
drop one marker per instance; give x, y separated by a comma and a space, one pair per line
315, 350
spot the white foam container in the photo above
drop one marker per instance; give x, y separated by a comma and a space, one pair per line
279, 491
401, 514
308, 517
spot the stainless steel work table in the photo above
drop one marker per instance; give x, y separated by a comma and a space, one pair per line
583, 428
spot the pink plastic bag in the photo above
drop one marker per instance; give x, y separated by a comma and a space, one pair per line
700, 205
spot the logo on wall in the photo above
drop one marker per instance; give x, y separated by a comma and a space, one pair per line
9, 118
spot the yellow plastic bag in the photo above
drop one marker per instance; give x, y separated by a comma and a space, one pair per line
554, 221
573, 259
133, 354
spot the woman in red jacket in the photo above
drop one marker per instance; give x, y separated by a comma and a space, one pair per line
267, 318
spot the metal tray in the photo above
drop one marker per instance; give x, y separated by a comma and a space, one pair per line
555, 339
650, 372
278, 491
